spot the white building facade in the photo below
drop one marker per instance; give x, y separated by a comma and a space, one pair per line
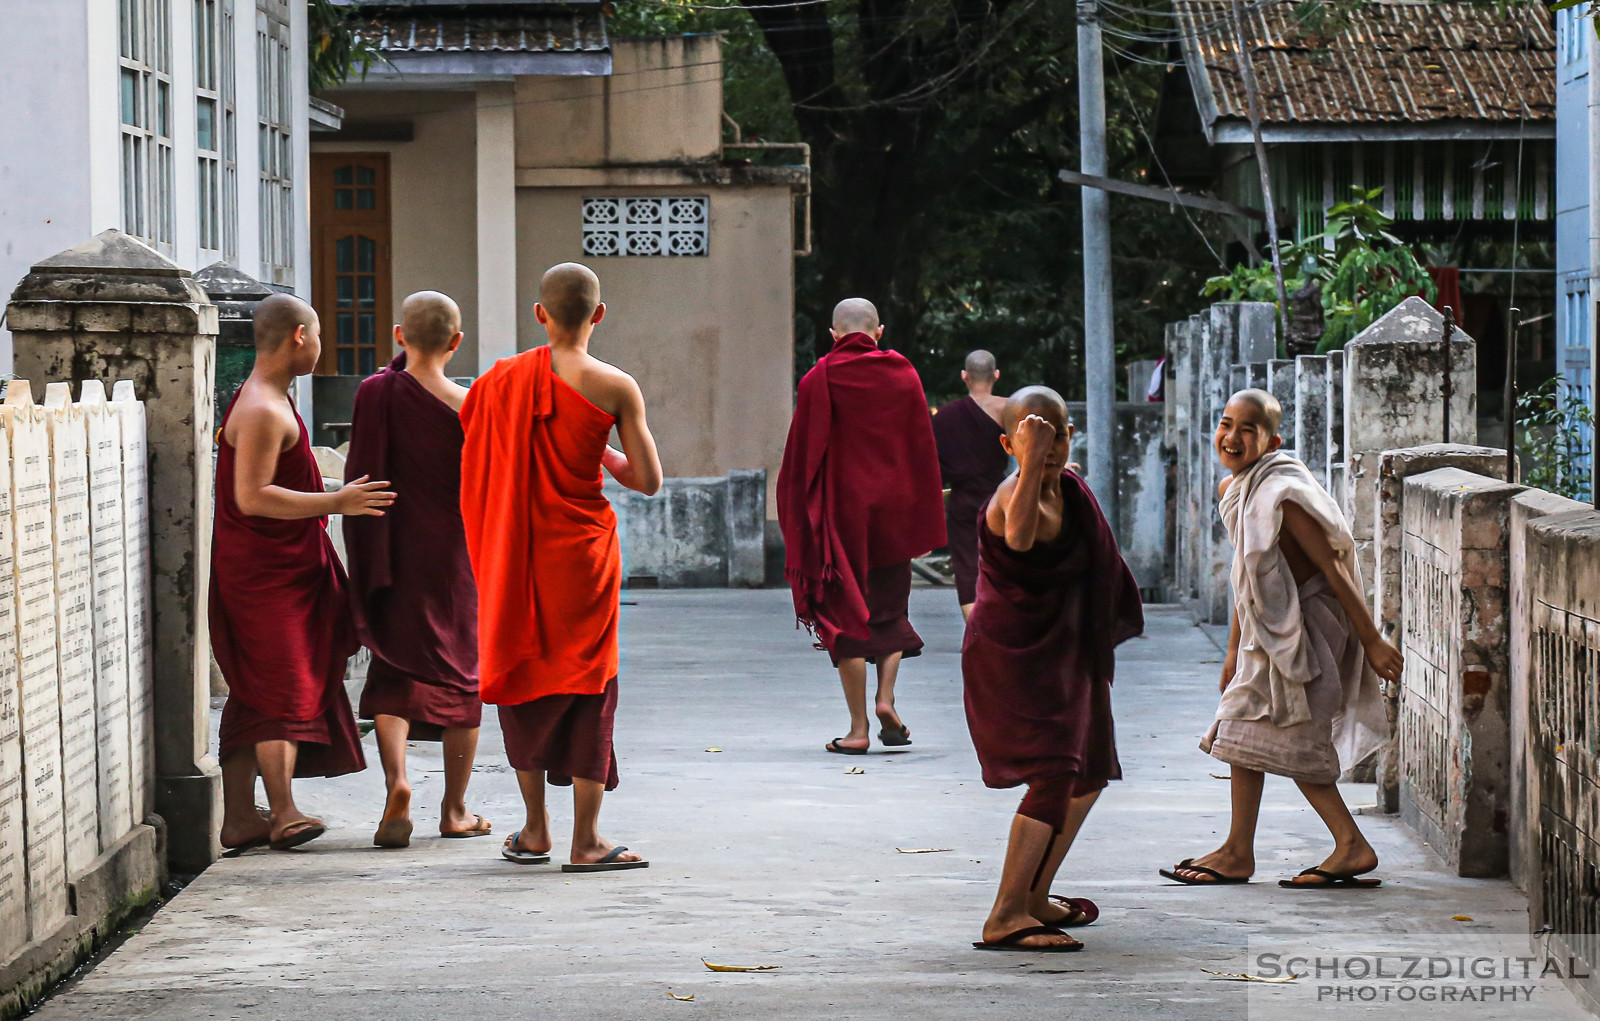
182, 122
1577, 200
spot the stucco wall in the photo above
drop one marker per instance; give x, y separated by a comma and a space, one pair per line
433, 198
709, 339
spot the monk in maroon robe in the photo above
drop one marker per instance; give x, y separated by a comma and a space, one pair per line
1055, 598
972, 463
416, 604
858, 498
280, 616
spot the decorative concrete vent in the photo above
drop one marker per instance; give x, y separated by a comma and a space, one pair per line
676, 225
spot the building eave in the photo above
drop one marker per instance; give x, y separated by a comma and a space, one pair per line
1237, 132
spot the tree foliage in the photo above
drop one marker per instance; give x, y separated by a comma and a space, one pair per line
1557, 443
337, 49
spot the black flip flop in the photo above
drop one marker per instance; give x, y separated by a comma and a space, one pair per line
1217, 878
1083, 907
309, 830
511, 852
1332, 881
838, 749
607, 864
1012, 942
249, 845
896, 735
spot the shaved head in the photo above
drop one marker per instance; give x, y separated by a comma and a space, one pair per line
1033, 400
570, 293
855, 315
980, 365
1268, 412
429, 320
276, 319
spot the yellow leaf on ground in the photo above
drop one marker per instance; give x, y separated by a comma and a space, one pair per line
739, 967
713, 749
854, 771
675, 996
1239, 976
1460, 918
923, 850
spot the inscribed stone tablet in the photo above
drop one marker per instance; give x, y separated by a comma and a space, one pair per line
13, 860
136, 532
74, 564
104, 428
35, 612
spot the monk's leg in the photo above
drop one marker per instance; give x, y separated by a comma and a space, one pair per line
1237, 855
1352, 854
241, 822
460, 748
853, 676
888, 673
588, 846
1039, 903
535, 833
392, 733
276, 761
1030, 842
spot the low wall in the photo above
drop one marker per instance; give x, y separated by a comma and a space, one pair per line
695, 533
1141, 471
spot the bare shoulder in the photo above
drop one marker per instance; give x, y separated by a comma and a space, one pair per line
994, 406
260, 413
448, 391
996, 516
1222, 486
610, 389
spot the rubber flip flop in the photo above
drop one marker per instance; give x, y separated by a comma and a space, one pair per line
1013, 942
299, 833
1217, 878
607, 864
1082, 907
480, 828
249, 845
394, 833
1332, 881
511, 852
895, 735
838, 749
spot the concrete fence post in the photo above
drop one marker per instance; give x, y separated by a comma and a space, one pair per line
1280, 384
1335, 441
746, 523
114, 309
1311, 418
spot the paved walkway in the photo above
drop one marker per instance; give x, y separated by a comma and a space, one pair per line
770, 852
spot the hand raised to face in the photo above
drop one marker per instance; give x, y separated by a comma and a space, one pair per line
1032, 441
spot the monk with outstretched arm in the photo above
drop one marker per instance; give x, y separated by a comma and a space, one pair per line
279, 615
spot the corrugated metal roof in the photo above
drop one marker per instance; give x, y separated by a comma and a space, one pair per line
1399, 61
575, 31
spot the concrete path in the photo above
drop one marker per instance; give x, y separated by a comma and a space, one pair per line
769, 852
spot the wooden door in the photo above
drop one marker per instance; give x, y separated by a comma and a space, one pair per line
351, 261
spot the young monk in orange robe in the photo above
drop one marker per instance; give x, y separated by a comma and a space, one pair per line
280, 622
544, 549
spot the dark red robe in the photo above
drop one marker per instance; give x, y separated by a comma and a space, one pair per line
972, 464
1039, 653
859, 486
415, 602
280, 623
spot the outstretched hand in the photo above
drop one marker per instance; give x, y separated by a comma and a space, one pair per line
1032, 441
364, 498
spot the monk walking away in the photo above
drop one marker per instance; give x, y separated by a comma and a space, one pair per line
544, 548
972, 463
858, 498
280, 619
1299, 685
416, 605
1054, 600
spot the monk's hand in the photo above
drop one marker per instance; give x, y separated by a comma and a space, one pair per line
1386, 660
1033, 441
364, 498
1230, 666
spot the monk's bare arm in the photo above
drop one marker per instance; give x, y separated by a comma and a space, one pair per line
1305, 531
261, 434
638, 466
1023, 510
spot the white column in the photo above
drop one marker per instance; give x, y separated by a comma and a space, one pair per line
185, 135
300, 121
497, 223
1594, 239
103, 73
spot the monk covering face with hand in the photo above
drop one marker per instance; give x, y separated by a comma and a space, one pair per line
415, 601
543, 542
858, 497
972, 464
1300, 683
1054, 600
280, 619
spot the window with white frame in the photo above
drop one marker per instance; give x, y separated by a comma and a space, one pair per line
1572, 31
274, 91
216, 132
674, 225
145, 104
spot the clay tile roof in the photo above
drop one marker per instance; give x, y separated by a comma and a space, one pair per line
1399, 61
462, 31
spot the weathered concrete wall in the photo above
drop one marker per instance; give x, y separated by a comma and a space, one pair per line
1336, 425
1141, 480
1310, 437
1454, 725
1281, 384
695, 533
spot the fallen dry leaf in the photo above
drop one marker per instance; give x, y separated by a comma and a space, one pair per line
1460, 918
675, 996
1219, 776
923, 850
713, 749
1239, 976
740, 967
854, 771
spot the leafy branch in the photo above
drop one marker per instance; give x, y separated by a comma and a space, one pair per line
338, 49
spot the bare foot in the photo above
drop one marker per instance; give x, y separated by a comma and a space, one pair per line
1223, 860
1065, 916
245, 831
533, 839
998, 928
292, 824
398, 805
863, 743
890, 719
1354, 860
459, 820
591, 853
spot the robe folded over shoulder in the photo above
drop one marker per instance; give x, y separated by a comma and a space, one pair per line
972, 464
415, 602
1278, 652
859, 485
280, 622
1039, 654
541, 534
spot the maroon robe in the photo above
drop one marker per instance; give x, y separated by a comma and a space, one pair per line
972, 464
416, 605
280, 623
1039, 654
858, 490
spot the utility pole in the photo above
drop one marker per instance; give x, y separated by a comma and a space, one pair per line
1247, 75
1099, 352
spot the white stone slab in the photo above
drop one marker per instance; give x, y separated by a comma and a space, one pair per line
136, 532
35, 612
109, 546
74, 563
13, 853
